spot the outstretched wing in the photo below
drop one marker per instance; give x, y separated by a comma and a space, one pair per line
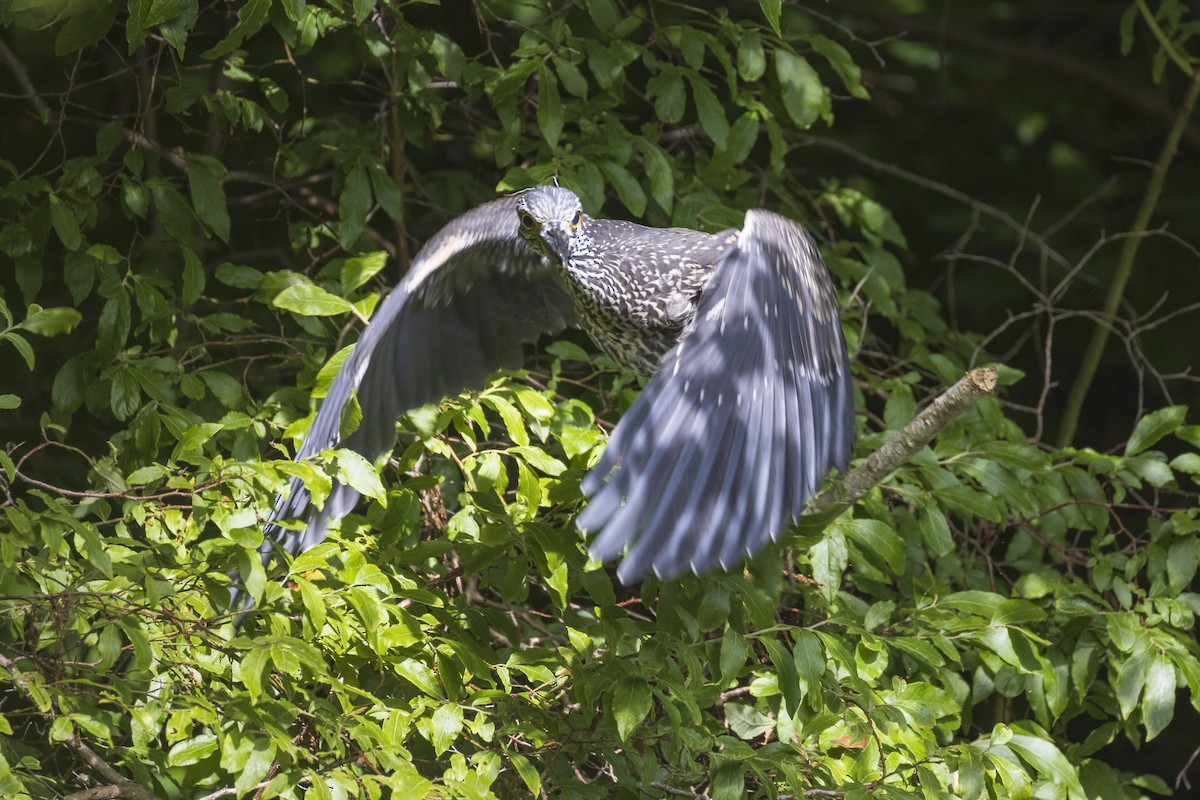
473, 296
744, 417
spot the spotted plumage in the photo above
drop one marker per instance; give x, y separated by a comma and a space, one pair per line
750, 402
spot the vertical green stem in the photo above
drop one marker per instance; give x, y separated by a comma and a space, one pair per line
1091, 358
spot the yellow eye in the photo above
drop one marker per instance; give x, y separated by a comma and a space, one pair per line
578, 218
527, 221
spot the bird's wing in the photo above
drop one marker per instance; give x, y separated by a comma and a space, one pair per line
473, 296
744, 417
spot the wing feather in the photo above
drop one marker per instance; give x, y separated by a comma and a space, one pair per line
752, 407
474, 295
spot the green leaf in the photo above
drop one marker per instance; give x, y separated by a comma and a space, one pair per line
421, 676
751, 60
974, 601
330, 370
22, 346
51, 321
631, 703
359, 269
627, 186
354, 203
252, 668
877, 539
571, 78
1049, 761
935, 530
549, 108
539, 459
358, 473
733, 655
143, 14
535, 405
195, 436
771, 10
124, 396
9, 401
192, 751
670, 96
1153, 427
387, 194
839, 58
528, 773
262, 755
204, 174
113, 328
970, 502
447, 724
659, 173
65, 224
1183, 558
351, 416
729, 781
711, 113
193, 277
239, 277
603, 13
829, 558
252, 15
785, 669
809, 660
225, 388
85, 28
176, 213
1131, 680
746, 721
1158, 704
514, 423
311, 301
804, 97
144, 475
94, 547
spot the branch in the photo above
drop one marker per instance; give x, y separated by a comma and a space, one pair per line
900, 448
1116, 290
96, 793
21, 75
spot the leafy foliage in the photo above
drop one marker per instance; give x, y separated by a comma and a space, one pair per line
184, 268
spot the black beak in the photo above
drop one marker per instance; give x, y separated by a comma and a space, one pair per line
557, 239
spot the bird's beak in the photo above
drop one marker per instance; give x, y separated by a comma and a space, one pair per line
558, 240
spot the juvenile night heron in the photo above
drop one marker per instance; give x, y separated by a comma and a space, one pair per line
750, 402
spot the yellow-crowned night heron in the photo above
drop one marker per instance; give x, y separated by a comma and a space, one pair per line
749, 405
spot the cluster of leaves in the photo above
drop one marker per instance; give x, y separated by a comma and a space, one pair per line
982, 624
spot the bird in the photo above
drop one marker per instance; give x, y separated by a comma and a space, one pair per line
748, 402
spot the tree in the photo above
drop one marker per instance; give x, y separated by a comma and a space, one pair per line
200, 210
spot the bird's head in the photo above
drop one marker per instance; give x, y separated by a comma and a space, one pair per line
550, 218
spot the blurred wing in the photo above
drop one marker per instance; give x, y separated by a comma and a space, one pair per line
475, 294
738, 427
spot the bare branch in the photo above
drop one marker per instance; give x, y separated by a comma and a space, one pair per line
905, 444
21, 75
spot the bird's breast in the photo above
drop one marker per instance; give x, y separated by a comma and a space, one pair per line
635, 314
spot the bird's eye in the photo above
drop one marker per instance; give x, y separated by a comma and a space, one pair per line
578, 218
527, 221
